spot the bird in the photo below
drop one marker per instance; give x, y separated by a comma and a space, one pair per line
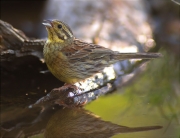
72, 60
81, 123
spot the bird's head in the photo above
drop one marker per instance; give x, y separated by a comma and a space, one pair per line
58, 31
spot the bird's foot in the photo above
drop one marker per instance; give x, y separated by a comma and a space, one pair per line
71, 86
68, 100
65, 87
70, 103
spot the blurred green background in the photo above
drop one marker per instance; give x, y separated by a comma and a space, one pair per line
152, 99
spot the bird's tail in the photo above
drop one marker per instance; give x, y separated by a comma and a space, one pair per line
124, 129
123, 56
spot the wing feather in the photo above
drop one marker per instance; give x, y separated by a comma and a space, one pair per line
81, 51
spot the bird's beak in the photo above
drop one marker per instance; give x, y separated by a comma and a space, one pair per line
48, 23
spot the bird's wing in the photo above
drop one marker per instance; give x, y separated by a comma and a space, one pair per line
87, 59
81, 51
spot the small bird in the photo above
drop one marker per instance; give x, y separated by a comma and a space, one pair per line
80, 123
72, 60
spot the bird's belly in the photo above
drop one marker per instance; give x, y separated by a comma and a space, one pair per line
63, 73
61, 69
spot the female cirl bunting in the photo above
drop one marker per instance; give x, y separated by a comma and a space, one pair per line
72, 60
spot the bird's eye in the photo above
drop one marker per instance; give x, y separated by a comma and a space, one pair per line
59, 26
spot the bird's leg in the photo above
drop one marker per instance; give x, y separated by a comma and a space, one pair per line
68, 101
65, 87
71, 86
